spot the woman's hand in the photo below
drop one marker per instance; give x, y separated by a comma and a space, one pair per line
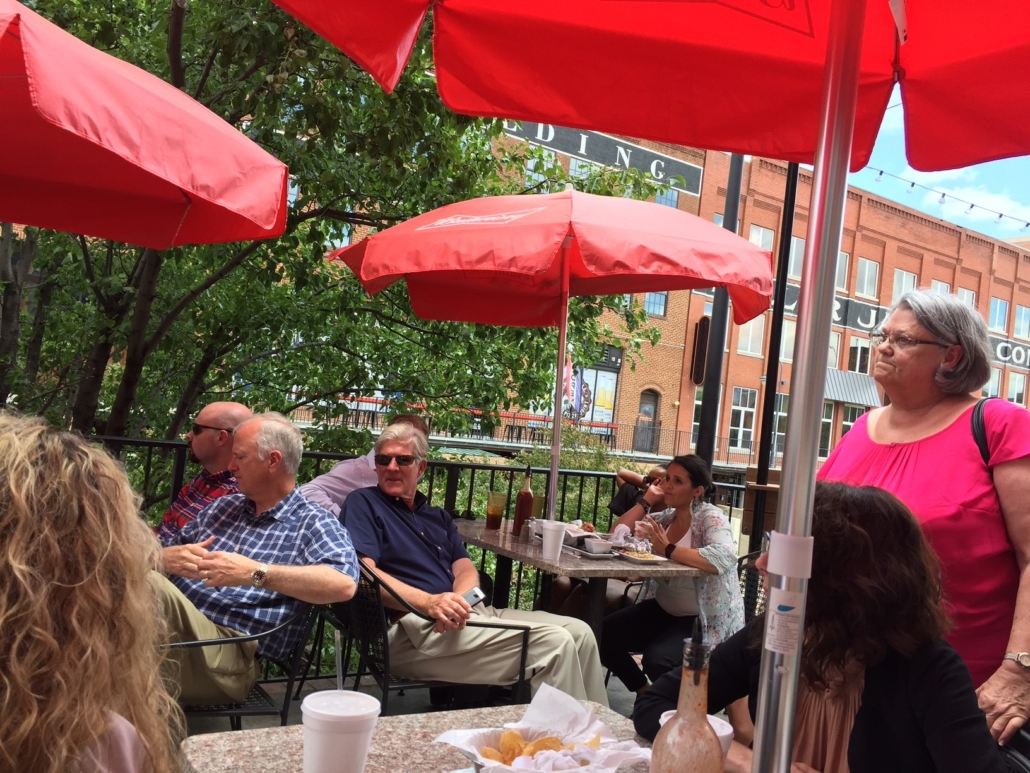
654, 496
1005, 699
653, 531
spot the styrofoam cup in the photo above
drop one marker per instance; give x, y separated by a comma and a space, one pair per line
554, 537
722, 728
338, 727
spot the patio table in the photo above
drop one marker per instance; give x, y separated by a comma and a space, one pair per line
596, 571
399, 744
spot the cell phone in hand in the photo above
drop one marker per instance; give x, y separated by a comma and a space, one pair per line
473, 596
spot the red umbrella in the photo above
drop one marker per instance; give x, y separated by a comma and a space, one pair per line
515, 260
94, 145
666, 70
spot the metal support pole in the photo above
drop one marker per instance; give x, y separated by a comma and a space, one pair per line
708, 426
772, 363
563, 324
790, 555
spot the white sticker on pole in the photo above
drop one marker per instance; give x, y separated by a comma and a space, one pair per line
785, 610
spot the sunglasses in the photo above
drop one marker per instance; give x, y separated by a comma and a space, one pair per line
404, 460
198, 428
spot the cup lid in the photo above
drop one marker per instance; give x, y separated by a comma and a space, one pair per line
340, 704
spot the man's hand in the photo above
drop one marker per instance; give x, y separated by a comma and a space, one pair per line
226, 569
450, 611
184, 560
1005, 699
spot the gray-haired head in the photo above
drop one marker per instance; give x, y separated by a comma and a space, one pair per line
403, 432
950, 321
277, 433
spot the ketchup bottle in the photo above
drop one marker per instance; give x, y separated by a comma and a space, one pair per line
523, 505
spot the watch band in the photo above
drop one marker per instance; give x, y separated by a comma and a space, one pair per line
1022, 659
259, 576
645, 506
669, 549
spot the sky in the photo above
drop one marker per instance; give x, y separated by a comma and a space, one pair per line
993, 188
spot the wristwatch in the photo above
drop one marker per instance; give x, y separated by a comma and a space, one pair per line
259, 576
645, 506
1022, 658
669, 549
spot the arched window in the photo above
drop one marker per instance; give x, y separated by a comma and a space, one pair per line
645, 433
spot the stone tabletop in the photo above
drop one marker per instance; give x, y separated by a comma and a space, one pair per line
400, 744
530, 552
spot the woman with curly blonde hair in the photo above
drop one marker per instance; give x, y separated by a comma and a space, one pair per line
80, 688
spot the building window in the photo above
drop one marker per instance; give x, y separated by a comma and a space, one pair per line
762, 237
536, 168
580, 169
939, 287
708, 308
868, 278
904, 281
797, 257
968, 297
826, 430
858, 355
851, 414
787, 340
654, 303
1017, 388
752, 335
717, 219
1022, 322
999, 319
833, 359
671, 198
842, 271
780, 423
645, 432
993, 387
742, 417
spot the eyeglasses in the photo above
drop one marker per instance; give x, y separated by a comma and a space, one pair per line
900, 341
404, 460
198, 428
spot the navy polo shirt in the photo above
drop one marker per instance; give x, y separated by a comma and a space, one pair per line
416, 546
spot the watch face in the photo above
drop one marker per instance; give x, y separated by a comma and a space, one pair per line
1023, 658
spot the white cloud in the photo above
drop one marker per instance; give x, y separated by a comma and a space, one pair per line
893, 118
934, 179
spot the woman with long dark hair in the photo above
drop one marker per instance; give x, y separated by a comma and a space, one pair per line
692, 532
879, 689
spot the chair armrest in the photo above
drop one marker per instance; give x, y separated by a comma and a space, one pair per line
300, 614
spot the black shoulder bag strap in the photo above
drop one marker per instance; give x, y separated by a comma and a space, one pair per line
980, 430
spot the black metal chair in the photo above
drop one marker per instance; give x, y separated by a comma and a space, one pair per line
1017, 750
364, 619
258, 701
751, 586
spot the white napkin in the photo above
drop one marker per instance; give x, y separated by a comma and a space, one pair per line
552, 712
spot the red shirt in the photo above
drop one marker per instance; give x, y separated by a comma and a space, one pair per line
194, 497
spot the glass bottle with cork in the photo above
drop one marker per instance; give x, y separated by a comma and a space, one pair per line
523, 505
687, 742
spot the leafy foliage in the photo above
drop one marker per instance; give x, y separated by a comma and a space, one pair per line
128, 342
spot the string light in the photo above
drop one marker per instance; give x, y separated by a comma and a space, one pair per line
944, 197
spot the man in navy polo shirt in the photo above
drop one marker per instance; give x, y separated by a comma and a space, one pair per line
417, 550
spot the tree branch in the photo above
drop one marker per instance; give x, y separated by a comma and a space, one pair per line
173, 47
207, 72
342, 216
246, 74
196, 292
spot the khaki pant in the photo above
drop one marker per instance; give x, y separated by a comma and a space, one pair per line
562, 652
203, 675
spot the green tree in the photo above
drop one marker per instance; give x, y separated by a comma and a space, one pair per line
126, 341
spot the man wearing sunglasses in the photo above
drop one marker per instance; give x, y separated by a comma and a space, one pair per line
332, 489
210, 445
418, 552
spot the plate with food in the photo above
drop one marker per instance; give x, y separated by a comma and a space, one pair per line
574, 551
637, 557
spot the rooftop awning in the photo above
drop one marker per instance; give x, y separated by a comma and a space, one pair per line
844, 386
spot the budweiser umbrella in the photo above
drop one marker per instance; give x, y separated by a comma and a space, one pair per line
736, 75
515, 260
93, 145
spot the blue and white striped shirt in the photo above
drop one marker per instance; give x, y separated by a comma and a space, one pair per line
295, 532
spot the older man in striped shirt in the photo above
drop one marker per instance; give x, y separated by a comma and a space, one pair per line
248, 561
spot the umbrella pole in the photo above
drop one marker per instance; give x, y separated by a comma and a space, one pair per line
563, 324
790, 557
